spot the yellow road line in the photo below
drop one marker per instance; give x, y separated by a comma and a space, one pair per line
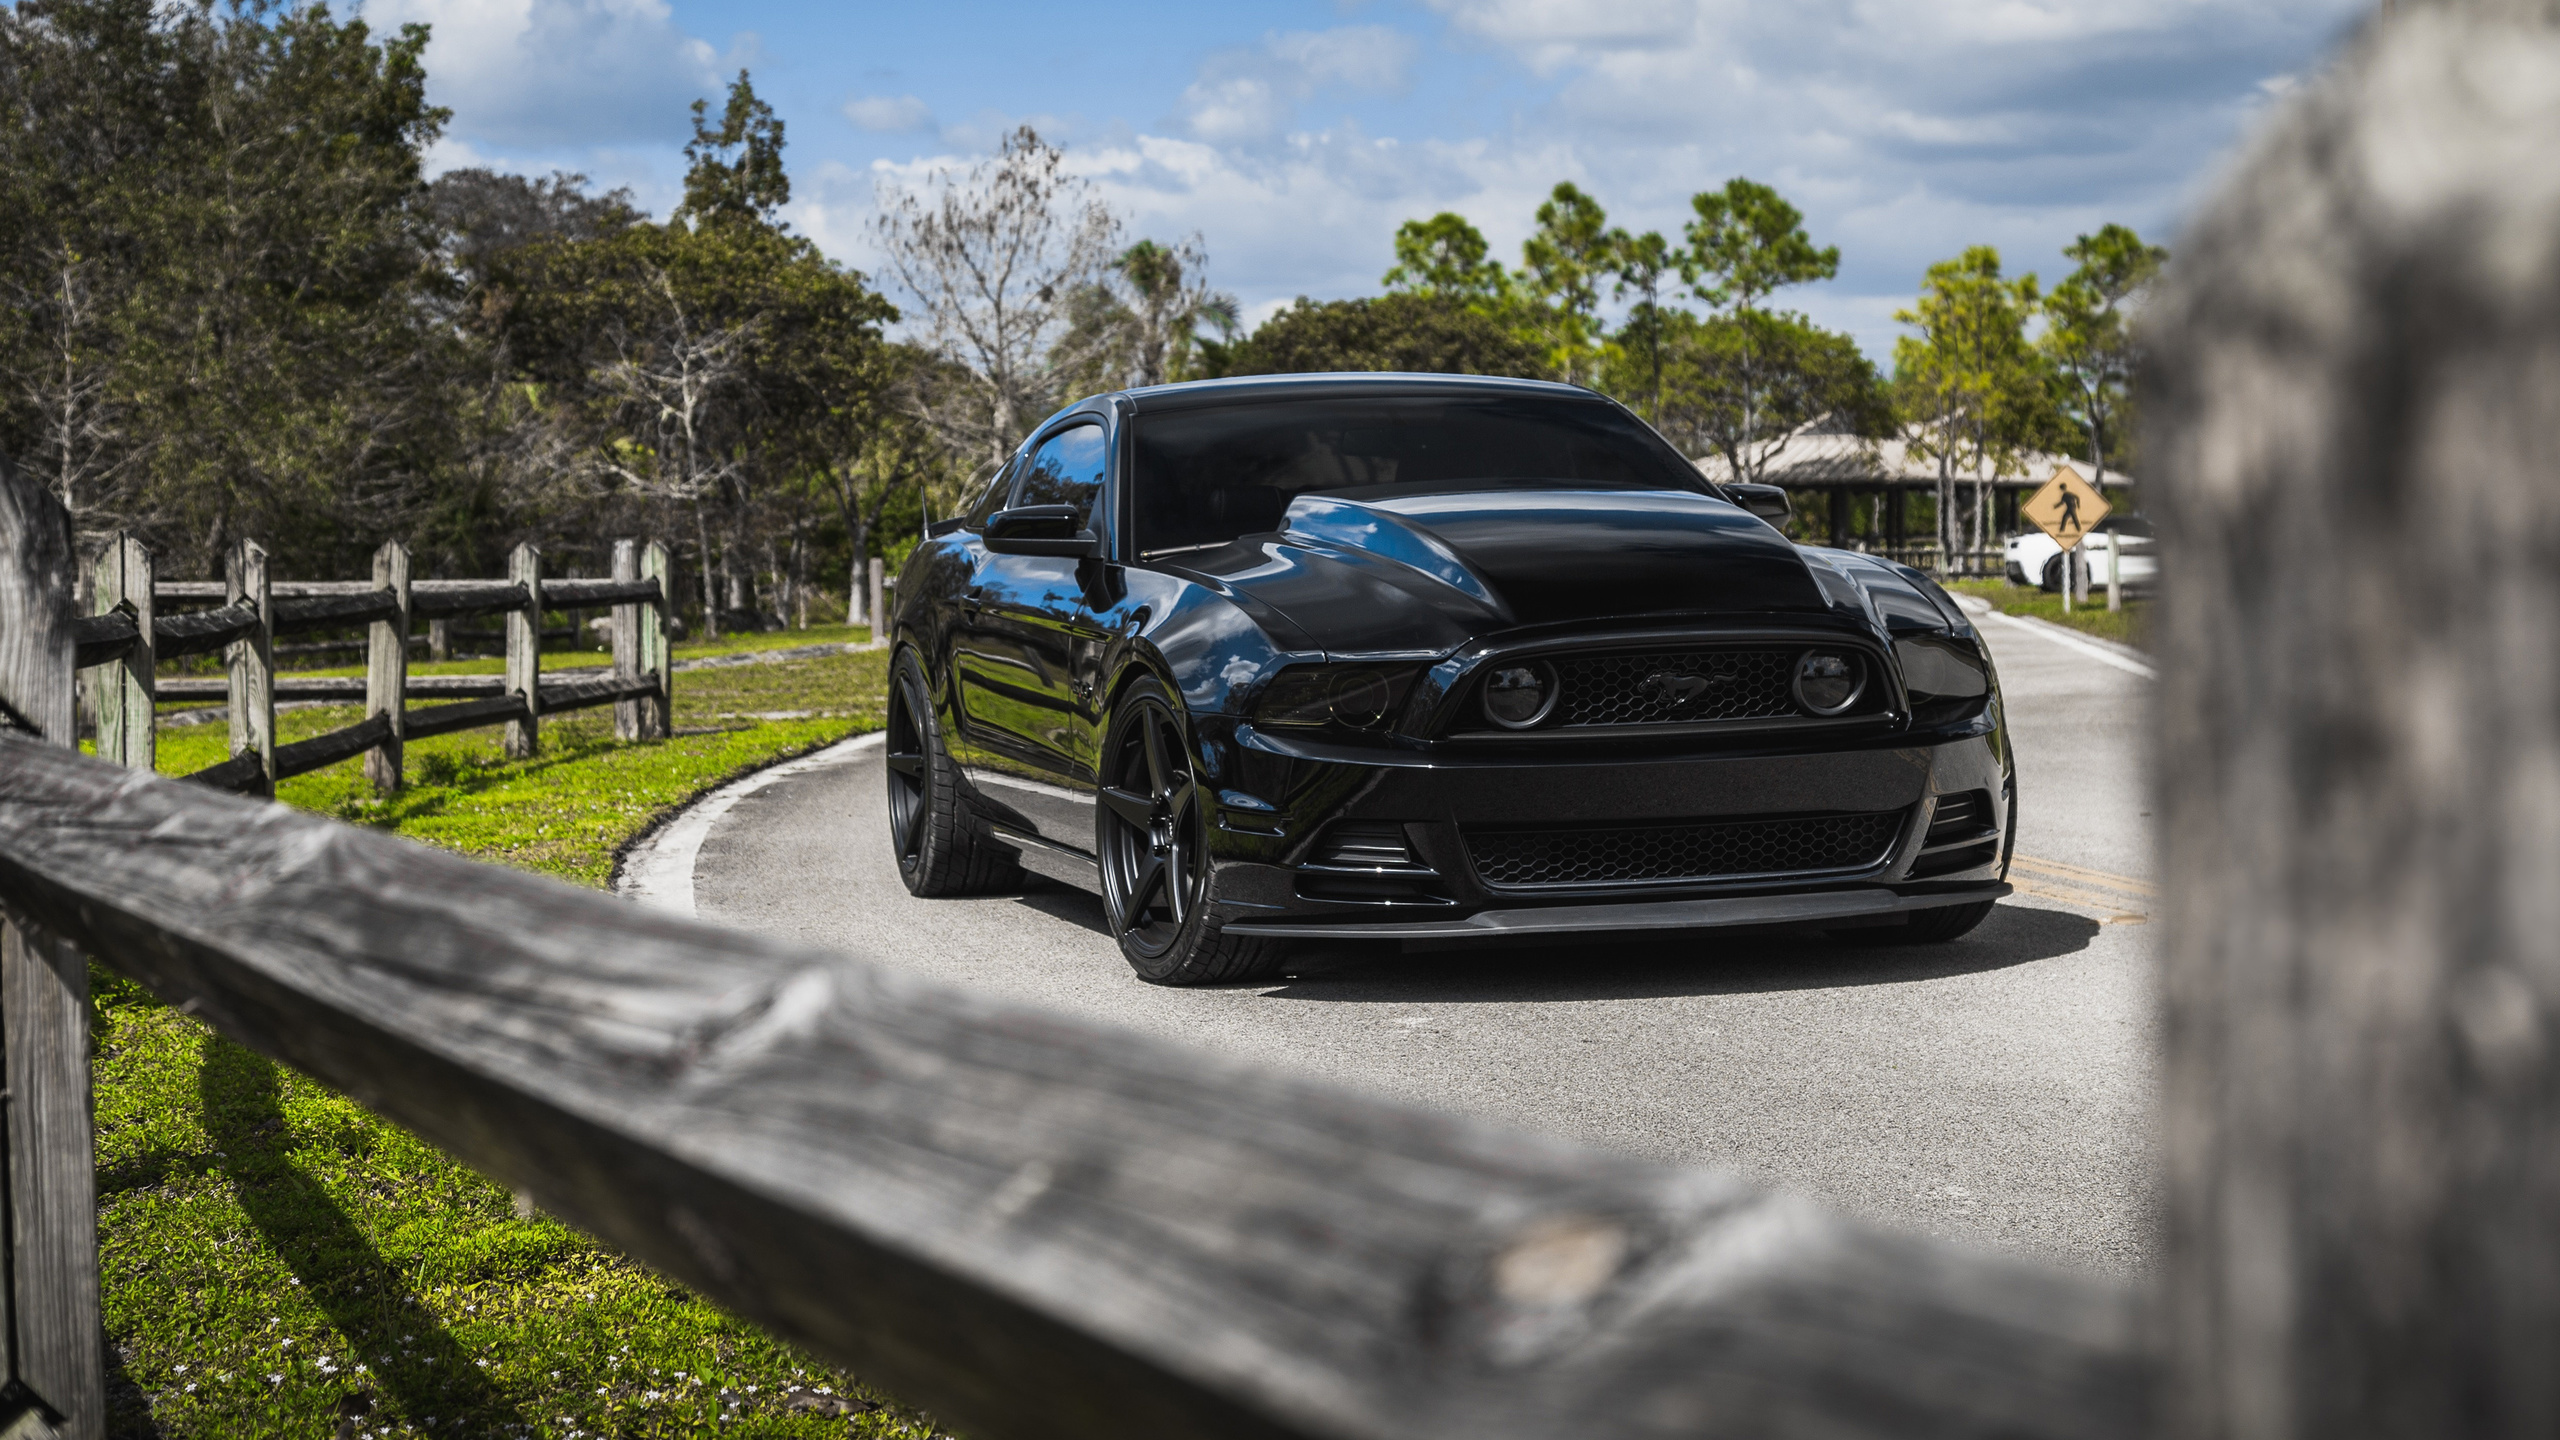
2120, 899
2055, 869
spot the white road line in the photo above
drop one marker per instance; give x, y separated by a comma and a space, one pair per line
659, 870
2065, 638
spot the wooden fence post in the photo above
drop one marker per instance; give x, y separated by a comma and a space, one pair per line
879, 599
439, 639
524, 653
656, 654
2349, 411
128, 728
626, 640
49, 1319
386, 671
253, 662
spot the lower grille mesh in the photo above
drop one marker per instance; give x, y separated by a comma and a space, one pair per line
1517, 859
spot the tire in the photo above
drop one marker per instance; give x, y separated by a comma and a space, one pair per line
941, 843
2053, 576
1151, 835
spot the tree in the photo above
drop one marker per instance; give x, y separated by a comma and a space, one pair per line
1447, 258
1745, 245
1637, 265
719, 365
2086, 337
1427, 333
222, 313
1801, 373
994, 260
482, 215
1970, 379
1561, 266
734, 172
1139, 324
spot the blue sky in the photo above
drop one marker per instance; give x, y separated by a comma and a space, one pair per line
1293, 137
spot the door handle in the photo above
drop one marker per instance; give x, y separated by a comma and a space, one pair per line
975, 596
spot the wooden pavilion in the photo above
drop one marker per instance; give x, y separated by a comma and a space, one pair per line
1858, 493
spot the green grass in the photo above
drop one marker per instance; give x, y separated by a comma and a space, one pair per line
2128, 626
556, 656
278, 1262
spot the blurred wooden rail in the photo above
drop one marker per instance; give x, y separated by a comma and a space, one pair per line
1040, 1226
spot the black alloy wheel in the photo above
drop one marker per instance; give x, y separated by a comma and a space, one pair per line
1152, 838
942, 847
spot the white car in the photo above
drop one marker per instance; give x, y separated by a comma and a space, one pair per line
2034, 558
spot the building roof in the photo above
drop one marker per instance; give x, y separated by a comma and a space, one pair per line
1820, 455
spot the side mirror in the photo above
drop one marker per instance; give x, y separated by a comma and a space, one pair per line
1769, 502
1038, 530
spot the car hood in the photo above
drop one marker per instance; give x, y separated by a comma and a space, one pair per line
1425, 572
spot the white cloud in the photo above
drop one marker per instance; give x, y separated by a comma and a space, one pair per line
889, 115
1254, 93
1905, 131
551, 73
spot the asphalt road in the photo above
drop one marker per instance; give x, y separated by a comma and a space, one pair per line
1997, 1090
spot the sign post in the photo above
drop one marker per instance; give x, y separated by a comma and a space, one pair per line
2067, 508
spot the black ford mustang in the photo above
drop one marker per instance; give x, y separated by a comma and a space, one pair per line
1404, 656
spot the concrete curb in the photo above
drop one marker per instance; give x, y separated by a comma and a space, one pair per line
658, 870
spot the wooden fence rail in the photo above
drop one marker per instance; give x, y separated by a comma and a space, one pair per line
129, 632
1042, 1226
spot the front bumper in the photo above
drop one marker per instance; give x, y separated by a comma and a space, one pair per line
1276, 872
1814, 907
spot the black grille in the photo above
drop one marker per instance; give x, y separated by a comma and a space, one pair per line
1516, 859
1654, 687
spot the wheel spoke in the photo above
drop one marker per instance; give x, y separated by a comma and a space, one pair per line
911, 766
1177, 878
1151, 728
912, 831
1142, 889
1177, 803
1138, 810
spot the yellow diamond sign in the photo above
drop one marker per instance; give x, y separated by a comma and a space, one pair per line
2067, 507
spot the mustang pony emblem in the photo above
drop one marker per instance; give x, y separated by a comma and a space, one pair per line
1683, 691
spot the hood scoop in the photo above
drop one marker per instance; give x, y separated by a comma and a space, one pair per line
1542, 556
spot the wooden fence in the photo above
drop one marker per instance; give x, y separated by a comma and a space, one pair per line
132, 632
1041, 1226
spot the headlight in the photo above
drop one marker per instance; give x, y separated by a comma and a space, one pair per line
1519, 696
1829, 681
1311, 696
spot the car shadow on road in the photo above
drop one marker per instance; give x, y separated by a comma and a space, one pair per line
1064, 902
1696, 963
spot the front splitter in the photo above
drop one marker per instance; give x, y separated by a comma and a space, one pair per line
1708, 914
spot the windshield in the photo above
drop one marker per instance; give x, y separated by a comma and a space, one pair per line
1204, 477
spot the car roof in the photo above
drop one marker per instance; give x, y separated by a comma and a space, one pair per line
1249, 388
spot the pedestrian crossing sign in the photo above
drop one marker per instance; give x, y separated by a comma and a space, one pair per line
2066, 507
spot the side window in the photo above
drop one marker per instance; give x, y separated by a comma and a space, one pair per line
1066, 469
